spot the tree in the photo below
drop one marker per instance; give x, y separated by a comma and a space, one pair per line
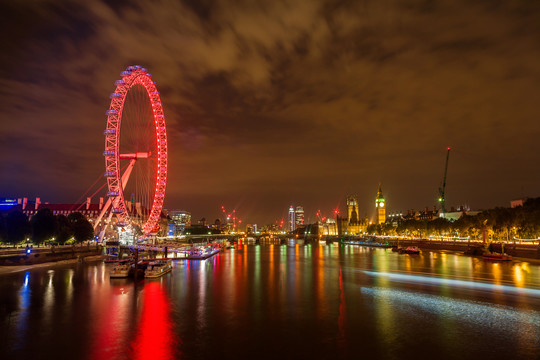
388, 228
64, 230
17, 226
3, 229
439, 226
43, 225
82, 229
372, 229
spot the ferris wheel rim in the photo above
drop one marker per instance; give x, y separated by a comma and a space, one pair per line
132, 76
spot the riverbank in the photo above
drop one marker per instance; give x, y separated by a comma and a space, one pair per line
18, 268
524, 251
48, 255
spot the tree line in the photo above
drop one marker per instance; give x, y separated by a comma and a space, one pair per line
522, 222
15, 227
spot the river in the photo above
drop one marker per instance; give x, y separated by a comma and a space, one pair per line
278, 302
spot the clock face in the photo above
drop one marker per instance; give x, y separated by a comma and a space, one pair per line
382, 204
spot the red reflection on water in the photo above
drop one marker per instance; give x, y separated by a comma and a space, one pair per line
110, 322
155, 338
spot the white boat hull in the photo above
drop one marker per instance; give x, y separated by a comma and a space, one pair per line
158, 269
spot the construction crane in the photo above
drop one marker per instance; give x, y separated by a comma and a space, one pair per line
442, 189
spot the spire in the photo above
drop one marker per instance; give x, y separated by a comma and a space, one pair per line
379, 192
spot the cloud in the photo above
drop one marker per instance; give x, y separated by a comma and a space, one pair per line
275, 102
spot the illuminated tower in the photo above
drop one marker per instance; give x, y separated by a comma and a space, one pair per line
291, 219
299, 216
352, 210
380, 207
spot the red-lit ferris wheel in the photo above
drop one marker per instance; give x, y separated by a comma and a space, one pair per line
135, 152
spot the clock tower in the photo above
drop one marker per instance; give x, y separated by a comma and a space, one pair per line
380, 207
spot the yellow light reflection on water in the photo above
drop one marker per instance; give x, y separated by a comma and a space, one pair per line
297, 276
408, 263
257, 266
320, 278
497, 273
271, 274
384, 311
48, 300
69, 287
519, 278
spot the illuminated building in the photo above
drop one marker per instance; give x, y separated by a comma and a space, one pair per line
380, 207
517, 202
425, 214
181, 219
30, 208
91, 211
292, 224
299, 216
328, 227
352, 224
352, 210
216, 225
395, 219
251, 228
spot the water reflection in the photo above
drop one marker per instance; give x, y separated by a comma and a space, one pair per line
342, 313
456, 283
155, 337
300, 301
502, 321
48, 300
201, 298
24, 305
112, 309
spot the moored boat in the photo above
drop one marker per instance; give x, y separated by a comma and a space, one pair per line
120, 269
367, 243
410, 250
497, 257
158, 268
201, 253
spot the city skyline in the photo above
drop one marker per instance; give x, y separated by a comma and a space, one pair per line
275, 104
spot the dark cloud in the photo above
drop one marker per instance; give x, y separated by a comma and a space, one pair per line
271, 103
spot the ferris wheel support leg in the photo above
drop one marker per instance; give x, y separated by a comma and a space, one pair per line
125, 175
102, 232
124, 180
103, 211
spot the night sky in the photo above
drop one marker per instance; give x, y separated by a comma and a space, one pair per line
272, 103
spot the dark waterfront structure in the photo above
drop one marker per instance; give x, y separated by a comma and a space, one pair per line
278, 302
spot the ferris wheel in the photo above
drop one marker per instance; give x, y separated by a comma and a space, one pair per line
135, 153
